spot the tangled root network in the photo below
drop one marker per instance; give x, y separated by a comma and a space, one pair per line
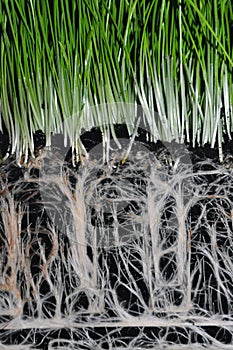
121, 255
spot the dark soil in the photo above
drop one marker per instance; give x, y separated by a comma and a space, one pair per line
203, 158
